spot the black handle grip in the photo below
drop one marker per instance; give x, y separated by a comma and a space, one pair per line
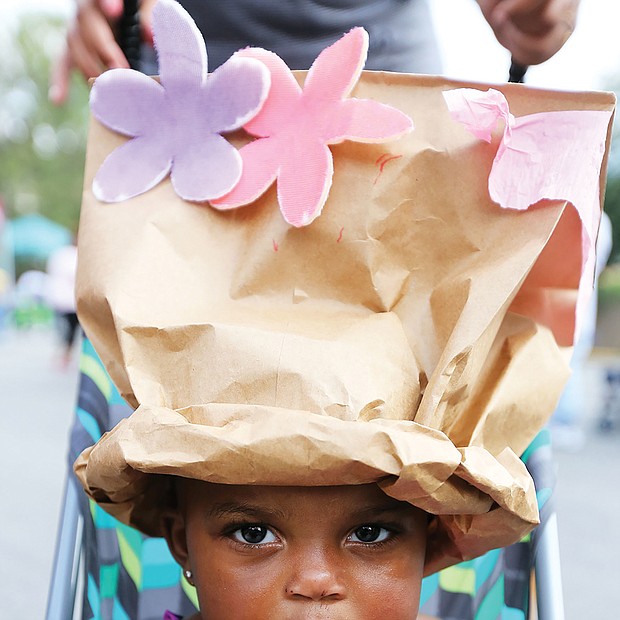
517, 72
129, 32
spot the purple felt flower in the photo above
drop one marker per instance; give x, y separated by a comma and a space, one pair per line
175, 125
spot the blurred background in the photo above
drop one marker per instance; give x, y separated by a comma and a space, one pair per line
41, 161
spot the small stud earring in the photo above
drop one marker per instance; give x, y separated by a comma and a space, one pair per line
188, 575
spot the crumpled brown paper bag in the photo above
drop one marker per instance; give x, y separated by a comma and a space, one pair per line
392, 340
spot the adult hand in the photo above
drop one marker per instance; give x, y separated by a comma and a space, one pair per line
90, 45
532, 30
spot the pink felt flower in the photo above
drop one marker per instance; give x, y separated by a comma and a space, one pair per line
295, 126
175, 125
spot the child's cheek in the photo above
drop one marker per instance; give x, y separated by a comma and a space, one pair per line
233, 587
390, 589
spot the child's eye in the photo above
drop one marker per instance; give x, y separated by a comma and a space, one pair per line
254, 535
369, 534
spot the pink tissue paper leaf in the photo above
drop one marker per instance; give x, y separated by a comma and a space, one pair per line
549, 155
295, 127
175, 126
479, 110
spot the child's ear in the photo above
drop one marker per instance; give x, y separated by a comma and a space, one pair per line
174, 531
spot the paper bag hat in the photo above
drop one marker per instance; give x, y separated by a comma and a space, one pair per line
415, 334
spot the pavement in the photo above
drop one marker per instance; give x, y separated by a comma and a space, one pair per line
37, 399
588, 504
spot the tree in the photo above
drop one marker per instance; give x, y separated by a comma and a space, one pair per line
41, 146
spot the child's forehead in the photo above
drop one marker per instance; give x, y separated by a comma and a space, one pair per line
222, 499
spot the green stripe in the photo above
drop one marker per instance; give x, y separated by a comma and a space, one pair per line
458, 579
130, 560
92, 368
192, 595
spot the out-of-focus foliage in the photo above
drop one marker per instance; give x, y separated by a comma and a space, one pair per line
609, 285
612, 194
41, 145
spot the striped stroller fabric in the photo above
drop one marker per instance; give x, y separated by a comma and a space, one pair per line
130, 576
495, 586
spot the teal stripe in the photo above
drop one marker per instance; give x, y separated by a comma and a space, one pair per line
155, 551
493, 603
115, 398
118, 613
93, 598
429, 587
108, 580
485, 566
542, 497
88, 349
160, 570
510, 613
89, 423
164, 575
542, 439
101, 518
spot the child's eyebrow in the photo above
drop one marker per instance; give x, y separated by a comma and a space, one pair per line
259, 513
377, 511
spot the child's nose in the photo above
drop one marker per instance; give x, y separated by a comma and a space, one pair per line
316, 578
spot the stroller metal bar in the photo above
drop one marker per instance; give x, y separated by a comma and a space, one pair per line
549, 595
65, 571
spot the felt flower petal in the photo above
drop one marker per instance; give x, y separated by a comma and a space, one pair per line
284, 93
236, 91
131, 169
208, 170
302, 196
126, 101
296, 126
177, 123
261, 161
337, 68
365, 120
181, 50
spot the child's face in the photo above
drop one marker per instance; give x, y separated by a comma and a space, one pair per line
300, 553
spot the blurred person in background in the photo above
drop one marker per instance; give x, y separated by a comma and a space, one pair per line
5, 289
60, 296
5, 279
401, 32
